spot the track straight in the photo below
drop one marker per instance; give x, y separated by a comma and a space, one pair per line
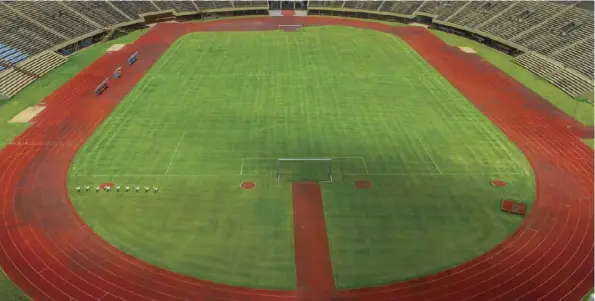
47, 250
313, 265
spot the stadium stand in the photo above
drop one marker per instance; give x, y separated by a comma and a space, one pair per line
164, 5
442, 9
556, 36
568, 81
24, 34
207, 5
13, 81
561, 29
9, 55
521, 16
538, 64
315, 4
578, 57
100, 12
334, 4
477, 12
400, 7
42, 63
184, 6
238, 4
363, 5
133, 9
54, 15
554, 72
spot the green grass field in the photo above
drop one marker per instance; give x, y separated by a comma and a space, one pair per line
218, 108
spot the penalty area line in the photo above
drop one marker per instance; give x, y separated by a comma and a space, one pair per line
428, 153
175, 153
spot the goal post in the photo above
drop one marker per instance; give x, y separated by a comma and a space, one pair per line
305, 169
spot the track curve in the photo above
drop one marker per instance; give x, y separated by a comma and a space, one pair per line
53, 255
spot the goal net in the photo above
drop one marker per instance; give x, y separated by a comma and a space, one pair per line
305, 169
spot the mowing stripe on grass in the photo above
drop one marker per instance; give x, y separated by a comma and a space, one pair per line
313, 265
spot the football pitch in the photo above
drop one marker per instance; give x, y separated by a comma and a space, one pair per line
220, 108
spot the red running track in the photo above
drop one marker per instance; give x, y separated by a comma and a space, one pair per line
52, 255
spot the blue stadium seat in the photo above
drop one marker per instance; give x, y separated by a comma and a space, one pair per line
12, 56
18, 58
1, 68
4, 48
7, 53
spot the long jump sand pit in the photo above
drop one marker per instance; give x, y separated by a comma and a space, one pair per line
115, 47
27, 114
467, 49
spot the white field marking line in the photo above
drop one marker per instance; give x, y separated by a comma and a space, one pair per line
170, 175
294, 25
268, 174
242, 167
365, 165
440, 174
175, 153
428, 153
301, 158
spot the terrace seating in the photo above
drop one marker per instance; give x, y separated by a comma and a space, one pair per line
23, 34
13, 81
334, 4
164, 5
134, 8
42, 63
10, 56
400, 7
578, 57
521, 17
538, 65
206, 5
443, 9
568, 82
184, 6
54, 15
315, 4
478, 12
561, 30
363, 5
238, 4
260, 3
99, 12
555, 72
